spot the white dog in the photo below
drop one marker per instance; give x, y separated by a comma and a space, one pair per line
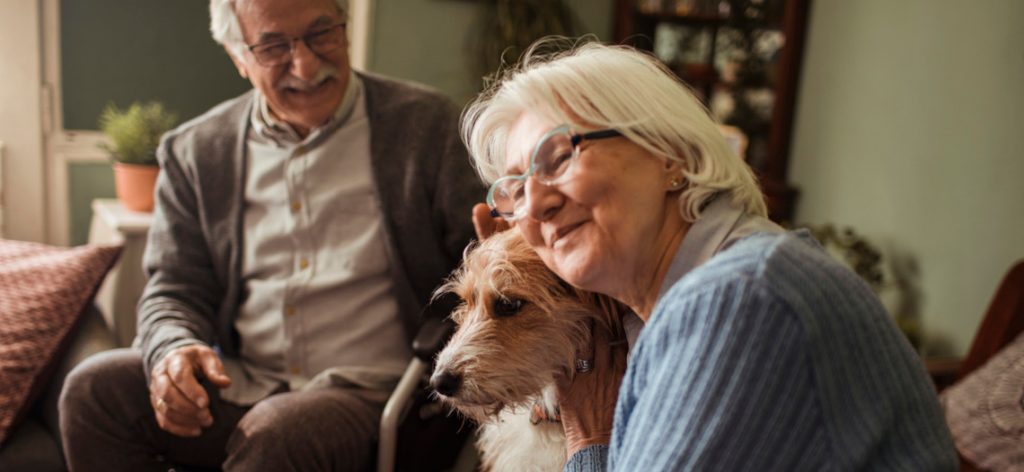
519, 328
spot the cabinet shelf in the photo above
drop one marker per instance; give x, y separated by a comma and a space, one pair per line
775, 21
685, 20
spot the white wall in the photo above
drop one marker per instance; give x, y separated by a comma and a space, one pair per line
20, 121
910, 129
360, 23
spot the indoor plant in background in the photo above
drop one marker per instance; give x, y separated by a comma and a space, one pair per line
133, 136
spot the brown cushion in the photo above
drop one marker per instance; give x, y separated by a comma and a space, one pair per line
985, 411
43, 290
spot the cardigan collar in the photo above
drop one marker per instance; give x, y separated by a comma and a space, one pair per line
720, 224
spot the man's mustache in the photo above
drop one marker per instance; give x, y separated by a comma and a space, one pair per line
292, 82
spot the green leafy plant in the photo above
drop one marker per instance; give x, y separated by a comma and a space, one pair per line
135, 132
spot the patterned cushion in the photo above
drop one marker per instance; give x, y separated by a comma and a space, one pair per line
985, 411
43, 290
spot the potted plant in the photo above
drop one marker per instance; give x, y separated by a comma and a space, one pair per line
134, 134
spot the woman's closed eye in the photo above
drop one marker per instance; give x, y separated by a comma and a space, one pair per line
557, 163
518, 192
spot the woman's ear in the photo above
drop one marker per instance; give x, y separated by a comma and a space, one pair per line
673, 166
674, 178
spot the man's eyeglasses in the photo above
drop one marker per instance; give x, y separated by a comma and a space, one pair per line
551, 159
279, 51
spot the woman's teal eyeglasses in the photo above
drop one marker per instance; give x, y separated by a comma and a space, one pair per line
551, 159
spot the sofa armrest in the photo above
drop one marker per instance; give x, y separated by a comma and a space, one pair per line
91, 336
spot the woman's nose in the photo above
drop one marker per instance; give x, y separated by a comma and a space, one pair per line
542, 201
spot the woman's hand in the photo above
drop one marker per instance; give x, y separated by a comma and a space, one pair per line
485, 224
587, 401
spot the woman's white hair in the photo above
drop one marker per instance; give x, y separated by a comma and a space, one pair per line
594, 86
227, 31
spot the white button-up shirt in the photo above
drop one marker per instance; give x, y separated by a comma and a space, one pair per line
318, 306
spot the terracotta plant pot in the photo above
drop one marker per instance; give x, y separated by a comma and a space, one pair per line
134, 184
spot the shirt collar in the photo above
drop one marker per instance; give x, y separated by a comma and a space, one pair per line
266, 125
721, 223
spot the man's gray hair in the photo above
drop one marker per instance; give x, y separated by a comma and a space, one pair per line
227, 31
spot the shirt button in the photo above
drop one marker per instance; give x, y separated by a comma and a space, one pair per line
290, 311
296, 206
303, 263
300, 151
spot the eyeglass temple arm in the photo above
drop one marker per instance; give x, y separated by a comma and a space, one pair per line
605, 133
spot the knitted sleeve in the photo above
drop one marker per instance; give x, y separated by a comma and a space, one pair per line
720, 380
590, 458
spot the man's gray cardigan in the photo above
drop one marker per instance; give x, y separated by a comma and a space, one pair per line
424, 183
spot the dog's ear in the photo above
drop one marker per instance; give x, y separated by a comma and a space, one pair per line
609, 313
605, 311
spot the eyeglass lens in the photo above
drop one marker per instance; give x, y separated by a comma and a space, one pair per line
321, 41
550, 161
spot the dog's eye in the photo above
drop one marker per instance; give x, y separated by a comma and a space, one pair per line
505, 307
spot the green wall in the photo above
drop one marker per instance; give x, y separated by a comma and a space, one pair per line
121, 51
431, 41
86, 181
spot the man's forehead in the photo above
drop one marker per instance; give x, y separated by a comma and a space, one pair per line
282, 17
282, 6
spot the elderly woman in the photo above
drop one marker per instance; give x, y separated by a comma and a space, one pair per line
758, 351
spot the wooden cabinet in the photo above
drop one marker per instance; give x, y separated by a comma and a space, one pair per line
742, 57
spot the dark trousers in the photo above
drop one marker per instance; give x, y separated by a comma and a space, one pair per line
107, 423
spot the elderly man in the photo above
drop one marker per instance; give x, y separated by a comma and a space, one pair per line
299, 232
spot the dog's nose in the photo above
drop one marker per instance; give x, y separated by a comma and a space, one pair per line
446, 383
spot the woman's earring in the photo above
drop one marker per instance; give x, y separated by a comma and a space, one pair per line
675, 184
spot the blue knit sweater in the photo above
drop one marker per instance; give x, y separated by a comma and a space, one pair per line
772, 356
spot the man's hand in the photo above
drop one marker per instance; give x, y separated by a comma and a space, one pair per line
485, 224
181, 404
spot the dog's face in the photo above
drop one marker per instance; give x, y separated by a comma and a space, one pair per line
519, 326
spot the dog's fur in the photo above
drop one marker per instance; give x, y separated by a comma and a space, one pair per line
508, 359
